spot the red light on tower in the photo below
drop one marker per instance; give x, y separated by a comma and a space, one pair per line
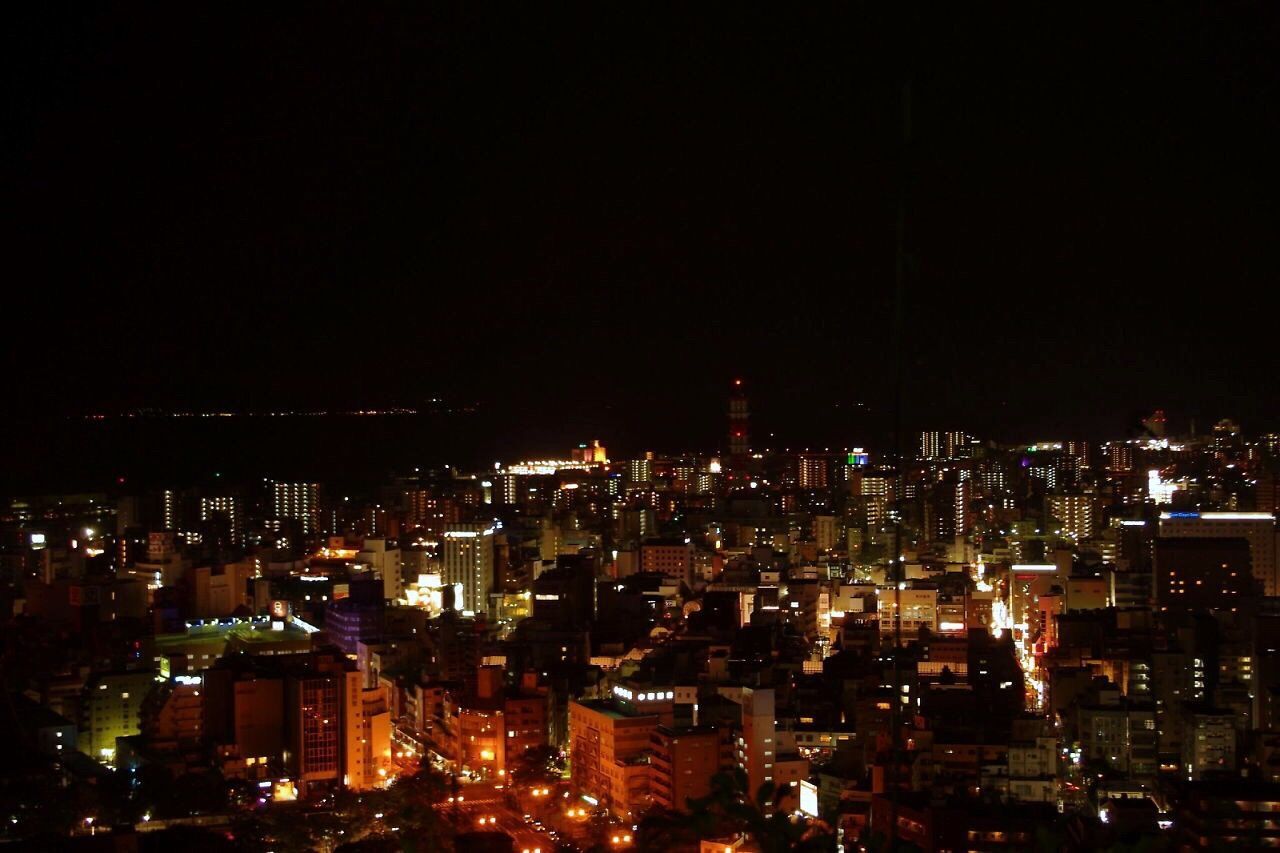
739, 440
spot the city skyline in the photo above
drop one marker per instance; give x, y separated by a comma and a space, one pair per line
617, 430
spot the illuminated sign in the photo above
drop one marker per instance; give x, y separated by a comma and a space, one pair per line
37, 540
1220, 516
809, 798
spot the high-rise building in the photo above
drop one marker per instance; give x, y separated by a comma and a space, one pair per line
468, 563
111, 707
681, 764
1074, 513
1203, 573
826, 531
223, 509
756, 747
640, 470
1119, 458
877, 493
330, 739
298, 502
607, 747
1209, 743
1256, 528
431, 512
385, 562
938, 445
1121, 734
812, 472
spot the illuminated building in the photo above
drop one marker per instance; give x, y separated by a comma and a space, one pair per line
545, 467
593, 452
358, 618
1203, 574
200, 646
482, 727
565, 595
812, 472
170, 509
526, 713
386, 563
640, 470
1256, 528
225, 508
323, 715
919, 609
1119, 458
468, 564
219, 590
173, 714
682, 764
307, 713
373, 750
947, 511
826, 531
298, 502
110, 708
1074, 513
937, 445
756, 747
430, 512
1121, 735
670, 557
877, 493
1027, 582
1209, 742
607, 748
506, 489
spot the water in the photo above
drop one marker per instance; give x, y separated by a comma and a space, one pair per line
75, 454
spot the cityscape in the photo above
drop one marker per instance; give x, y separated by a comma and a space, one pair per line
496, 428
976, 645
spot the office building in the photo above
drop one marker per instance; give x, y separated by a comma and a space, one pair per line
468, 564
1256, 528
1204, 574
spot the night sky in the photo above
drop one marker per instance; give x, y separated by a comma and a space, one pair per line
603, 217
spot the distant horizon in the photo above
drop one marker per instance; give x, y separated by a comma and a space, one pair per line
49, 454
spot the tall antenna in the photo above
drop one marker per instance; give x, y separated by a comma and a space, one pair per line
896, 574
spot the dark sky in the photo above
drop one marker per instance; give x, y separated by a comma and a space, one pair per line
605, 217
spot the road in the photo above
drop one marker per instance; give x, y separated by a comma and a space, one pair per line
492, 809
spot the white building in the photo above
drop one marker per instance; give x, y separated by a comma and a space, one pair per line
468, 563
